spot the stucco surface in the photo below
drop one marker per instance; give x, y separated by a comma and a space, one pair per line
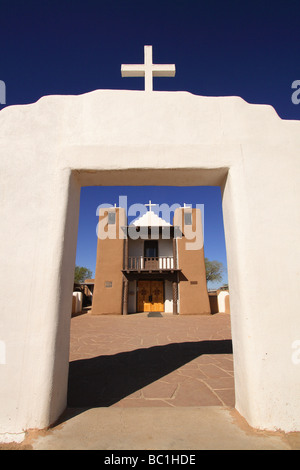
51, 148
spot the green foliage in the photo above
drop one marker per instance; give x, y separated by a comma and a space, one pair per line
81, 274
214, 270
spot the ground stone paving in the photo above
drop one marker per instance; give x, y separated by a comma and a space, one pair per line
120, 367
143, 361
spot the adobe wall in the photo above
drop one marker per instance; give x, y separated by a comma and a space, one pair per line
107, 298
53, 147
193, 293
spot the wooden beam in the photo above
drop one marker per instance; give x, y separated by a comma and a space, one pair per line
174, 253
126, 254
125, 295
175, 297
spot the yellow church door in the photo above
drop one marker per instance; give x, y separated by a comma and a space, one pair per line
144, 292
150, 296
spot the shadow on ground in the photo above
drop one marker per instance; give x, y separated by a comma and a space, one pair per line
104, 380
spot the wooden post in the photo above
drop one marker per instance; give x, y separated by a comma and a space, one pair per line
175, 280
175, 296
126, 253
125, 280
125, 296
174, 253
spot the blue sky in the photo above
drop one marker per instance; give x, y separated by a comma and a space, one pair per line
240, 48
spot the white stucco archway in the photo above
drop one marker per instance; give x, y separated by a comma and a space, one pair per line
53, 147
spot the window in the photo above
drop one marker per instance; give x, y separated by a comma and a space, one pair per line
187, 218
151, 249
111, 218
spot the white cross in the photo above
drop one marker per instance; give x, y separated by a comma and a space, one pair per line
148, 69
150, 205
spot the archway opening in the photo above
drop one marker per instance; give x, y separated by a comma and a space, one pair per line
199, 360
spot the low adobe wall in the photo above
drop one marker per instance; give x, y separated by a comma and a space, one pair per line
219, 302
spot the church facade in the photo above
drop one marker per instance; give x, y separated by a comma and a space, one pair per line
150, 265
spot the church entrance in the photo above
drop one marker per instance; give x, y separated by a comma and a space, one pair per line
150, 296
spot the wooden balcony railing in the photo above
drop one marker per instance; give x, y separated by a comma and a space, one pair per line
141, 263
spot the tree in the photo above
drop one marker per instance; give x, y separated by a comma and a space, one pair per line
81, 274
214, 270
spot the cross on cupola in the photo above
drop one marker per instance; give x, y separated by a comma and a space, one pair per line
150, 205
148, 69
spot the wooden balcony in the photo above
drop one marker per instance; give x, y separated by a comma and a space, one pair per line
149, 264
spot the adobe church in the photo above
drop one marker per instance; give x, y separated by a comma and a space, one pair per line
150, 265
